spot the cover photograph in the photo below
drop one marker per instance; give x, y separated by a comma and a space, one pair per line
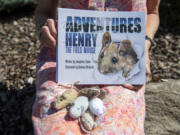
100, 47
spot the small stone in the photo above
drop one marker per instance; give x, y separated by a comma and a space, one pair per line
30, 80
33, 68
15, 23
155, 78
15, 40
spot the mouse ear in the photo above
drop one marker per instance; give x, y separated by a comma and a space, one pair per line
125, 46
106, 40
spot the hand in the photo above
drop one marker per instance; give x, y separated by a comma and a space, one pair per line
148, 71
49, 34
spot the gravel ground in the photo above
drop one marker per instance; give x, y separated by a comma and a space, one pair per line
19, 48
165, 55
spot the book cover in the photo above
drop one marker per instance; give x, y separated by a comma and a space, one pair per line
100, 47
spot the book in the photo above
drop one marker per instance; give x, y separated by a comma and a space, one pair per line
100, 47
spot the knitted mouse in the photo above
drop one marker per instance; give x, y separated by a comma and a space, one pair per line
66, 98
86, 104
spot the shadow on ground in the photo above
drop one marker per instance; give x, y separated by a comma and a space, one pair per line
15, 110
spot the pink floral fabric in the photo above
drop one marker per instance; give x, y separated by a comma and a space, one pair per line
125, 111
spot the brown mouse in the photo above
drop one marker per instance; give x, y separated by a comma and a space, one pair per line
116, 56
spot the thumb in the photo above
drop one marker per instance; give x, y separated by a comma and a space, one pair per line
148, 73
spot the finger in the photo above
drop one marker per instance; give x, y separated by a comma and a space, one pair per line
52, 27
47, 37
148, 78
56, 24
128, 86
148, 73
132, 87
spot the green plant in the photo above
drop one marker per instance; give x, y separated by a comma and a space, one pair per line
9, 5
